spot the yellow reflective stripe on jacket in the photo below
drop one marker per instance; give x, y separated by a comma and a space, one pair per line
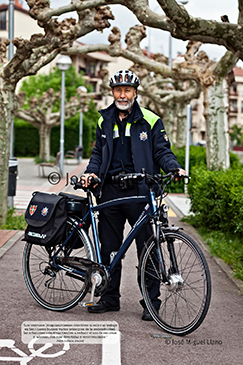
128, 130
115, 131
100, 121
150, 117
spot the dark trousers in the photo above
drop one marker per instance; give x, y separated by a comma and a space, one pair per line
111, 227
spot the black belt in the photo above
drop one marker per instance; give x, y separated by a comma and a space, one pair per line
112, 179
123, 184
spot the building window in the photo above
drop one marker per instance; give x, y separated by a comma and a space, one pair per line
3, 22
203, 135
92, 70
234, 88
234, 106
83, 70
242, 107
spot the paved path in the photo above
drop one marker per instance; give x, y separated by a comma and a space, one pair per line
217, 341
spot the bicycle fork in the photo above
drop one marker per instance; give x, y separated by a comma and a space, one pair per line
174, 279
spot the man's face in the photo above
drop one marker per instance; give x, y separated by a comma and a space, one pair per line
124, 96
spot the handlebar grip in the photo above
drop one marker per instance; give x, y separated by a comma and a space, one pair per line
95, 180
92, 181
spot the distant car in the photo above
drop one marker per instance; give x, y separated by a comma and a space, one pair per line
201, 143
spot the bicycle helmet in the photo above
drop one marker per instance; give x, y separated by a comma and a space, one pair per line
124, 77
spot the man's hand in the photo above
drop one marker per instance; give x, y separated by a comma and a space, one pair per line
181, 172
86, 180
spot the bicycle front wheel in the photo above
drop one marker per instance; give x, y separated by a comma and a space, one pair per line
179, 304
51, 287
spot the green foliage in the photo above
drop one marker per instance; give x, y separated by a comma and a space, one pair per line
38, 84
227, 246
14, 221
197, 157
27, 137
237, 135
217, 198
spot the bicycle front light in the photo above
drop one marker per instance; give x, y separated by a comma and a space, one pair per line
163, 217
165, 208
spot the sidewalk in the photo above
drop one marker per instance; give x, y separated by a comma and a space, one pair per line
29, 181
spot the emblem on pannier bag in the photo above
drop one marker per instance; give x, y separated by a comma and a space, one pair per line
32, 209
44, 211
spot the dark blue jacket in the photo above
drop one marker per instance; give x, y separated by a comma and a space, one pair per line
149, 143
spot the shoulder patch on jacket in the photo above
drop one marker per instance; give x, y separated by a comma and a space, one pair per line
149, 116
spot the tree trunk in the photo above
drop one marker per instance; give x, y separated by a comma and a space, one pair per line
45, 136
181, 127
169, 123
215, 102
6, 101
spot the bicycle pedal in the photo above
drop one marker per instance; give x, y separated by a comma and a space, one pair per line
85, 304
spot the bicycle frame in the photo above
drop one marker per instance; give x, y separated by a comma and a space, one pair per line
149, 209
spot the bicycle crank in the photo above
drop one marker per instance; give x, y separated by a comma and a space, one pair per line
98, 279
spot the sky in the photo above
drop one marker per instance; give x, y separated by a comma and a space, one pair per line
159, 40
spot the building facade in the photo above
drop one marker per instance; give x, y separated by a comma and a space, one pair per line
24, 25
235, 113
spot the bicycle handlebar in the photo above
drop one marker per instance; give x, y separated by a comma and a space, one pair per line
136, 177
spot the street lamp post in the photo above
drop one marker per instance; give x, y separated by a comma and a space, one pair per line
63, 63
83, 89
10, 56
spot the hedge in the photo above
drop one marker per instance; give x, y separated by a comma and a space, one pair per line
197, 157
217, 198
26, 139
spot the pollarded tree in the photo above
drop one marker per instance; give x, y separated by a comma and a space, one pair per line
31, 55
177, 21
196, 67
182, 25
39, 103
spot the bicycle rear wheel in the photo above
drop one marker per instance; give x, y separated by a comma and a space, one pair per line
54, 288
184, 300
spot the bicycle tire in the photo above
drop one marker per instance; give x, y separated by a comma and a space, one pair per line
181, 310
64, 291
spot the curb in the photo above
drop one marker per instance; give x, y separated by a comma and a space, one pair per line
11, 242
176, 210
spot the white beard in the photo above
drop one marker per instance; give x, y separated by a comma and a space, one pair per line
124, 107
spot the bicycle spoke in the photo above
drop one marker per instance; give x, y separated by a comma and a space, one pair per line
53, 287
184, 305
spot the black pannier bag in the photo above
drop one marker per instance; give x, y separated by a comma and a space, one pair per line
46, 216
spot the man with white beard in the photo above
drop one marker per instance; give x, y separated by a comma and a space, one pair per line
128, 138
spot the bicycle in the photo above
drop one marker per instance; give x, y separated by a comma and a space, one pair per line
60, 277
